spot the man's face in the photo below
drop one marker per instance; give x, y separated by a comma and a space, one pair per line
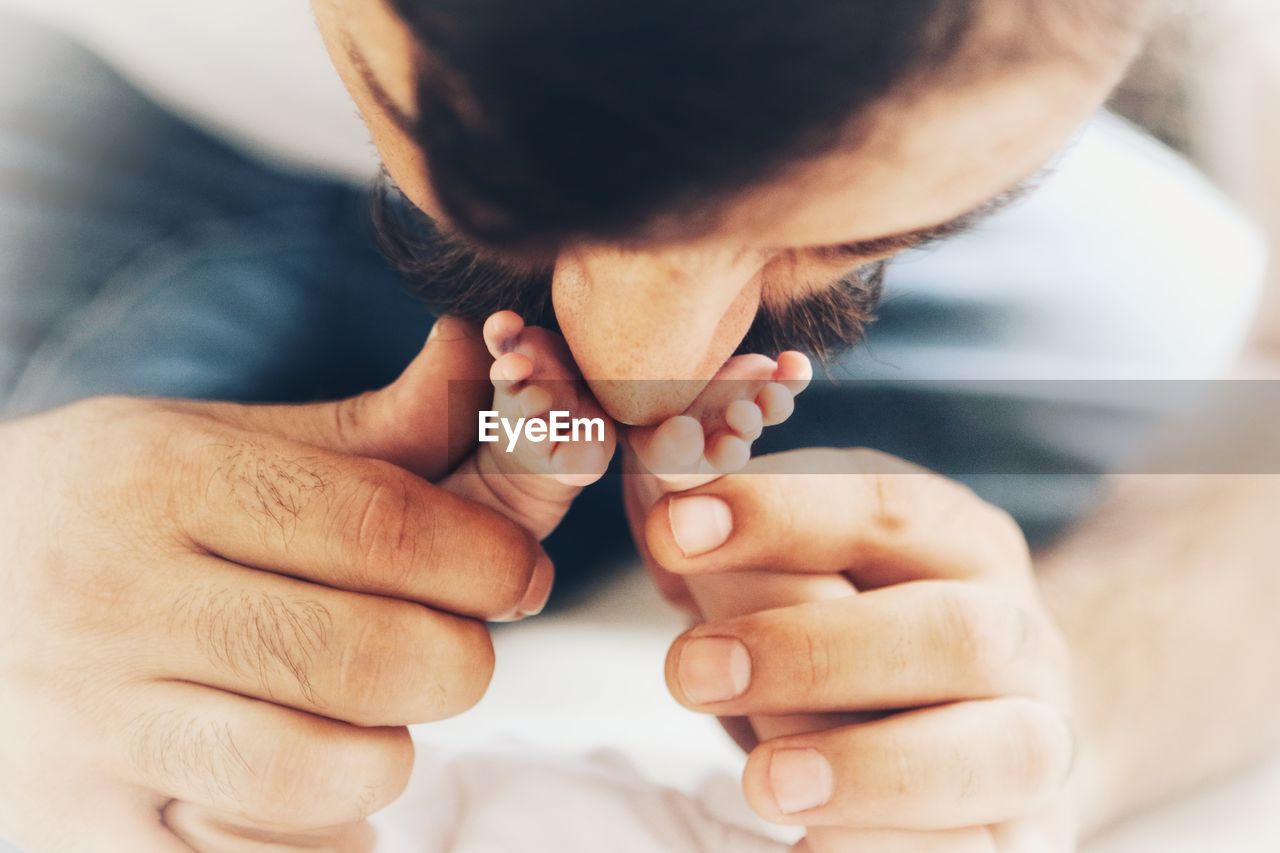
677, 309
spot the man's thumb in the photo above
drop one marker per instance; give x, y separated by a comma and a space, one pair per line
424, 421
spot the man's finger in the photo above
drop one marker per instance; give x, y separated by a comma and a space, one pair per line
204, 829
902, 646
878, 519
361, 659
355, 524
941, 768
266, 765
423, 422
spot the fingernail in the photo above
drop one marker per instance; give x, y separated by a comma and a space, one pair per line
539, 591
801, 780
699, 524
714, 669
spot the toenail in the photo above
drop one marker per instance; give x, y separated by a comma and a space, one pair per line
714, 669
699, 524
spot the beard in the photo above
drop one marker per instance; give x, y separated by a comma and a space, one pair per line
457, 277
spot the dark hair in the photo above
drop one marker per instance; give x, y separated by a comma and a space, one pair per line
552, 120
548, 120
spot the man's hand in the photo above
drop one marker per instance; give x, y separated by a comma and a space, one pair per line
215, 617
947, 645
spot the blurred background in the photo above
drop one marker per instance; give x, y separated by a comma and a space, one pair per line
1208, 86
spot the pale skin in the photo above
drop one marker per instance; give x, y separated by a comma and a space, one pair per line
131, 521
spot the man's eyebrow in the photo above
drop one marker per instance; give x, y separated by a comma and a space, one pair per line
402, 120
922, 236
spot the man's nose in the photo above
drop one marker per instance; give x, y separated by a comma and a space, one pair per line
650, 329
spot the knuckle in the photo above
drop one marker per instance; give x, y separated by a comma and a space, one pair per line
363, 769
373, 670
404, 667
349, 418
500, 563
811, 660
1040, 748
886, 516
905, 772
979, 639
1006, 537
891, 498
301, 773
383, 528
338, 777
773, 497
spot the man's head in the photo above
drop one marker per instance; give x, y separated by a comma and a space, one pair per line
678, 170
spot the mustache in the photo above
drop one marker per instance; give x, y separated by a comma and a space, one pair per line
455, 276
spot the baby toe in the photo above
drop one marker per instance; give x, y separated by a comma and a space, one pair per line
745, 419
674, 446
776, 403
795, 371
502, 332
511, 368
729, 453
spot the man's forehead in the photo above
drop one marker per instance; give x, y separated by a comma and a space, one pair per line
932, 160
918, 165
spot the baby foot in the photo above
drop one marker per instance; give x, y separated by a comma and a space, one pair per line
534, 482
713, 436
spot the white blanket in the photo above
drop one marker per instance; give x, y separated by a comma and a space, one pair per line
579, 749
515, 798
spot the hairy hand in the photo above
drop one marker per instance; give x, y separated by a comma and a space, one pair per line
217, 620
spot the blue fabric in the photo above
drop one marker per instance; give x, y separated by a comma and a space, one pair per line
140, 256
